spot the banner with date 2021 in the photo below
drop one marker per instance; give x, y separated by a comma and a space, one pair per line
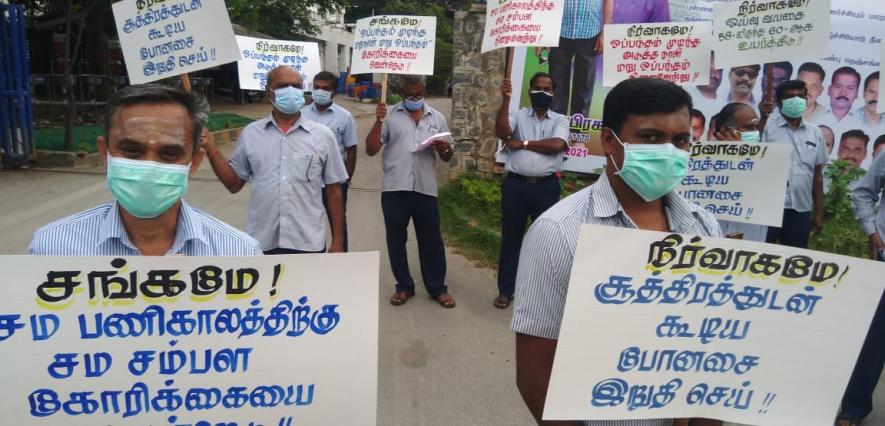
275, 340
660, 325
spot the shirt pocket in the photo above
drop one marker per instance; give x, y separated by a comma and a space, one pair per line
808, 155
302, 167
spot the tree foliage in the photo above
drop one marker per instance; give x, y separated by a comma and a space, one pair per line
284, 19
841, 233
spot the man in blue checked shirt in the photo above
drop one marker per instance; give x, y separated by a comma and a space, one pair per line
152, 145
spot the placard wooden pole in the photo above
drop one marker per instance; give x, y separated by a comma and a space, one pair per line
508, 65
384, 88
186, 82
769, 83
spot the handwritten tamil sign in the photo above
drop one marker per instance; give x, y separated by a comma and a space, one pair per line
522, 23
739, 182
674, 326
394, 45
262, 55
670, 51
163, 39
189, 340
750, 32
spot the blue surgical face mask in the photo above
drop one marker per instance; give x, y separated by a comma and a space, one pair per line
322, 97
146, 189
794, 107
652, 170
413, 105
288, 100
750, 136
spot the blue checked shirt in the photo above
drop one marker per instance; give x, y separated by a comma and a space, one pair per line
581, 19
100, 232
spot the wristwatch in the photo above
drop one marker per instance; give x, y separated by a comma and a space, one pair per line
525, 144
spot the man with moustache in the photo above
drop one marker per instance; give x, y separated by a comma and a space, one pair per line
872, 121
853, 147
842, 92
742, 81
813, 75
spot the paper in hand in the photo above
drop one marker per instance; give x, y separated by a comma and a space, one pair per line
430, 141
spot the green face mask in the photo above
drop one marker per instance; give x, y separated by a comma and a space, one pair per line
146, 189
652, 170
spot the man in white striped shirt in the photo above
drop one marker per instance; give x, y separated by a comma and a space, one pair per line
646, 140
152, 146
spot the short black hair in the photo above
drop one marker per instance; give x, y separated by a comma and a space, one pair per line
856, 133
755, 67
784, 65
824, 126
538, 75
642, 96
789, 85
879, 141
812, 67
727, 113
326, 76
846, 70
155, 93
872, 76
696, 113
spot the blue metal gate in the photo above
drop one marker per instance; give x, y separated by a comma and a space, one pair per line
16, 110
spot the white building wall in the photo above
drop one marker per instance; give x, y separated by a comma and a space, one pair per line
335, 42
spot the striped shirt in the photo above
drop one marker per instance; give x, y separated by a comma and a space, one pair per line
548, 251
527, 126
100, 232
581, 19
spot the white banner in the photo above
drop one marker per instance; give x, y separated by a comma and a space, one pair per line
739, 182
275, 340
672, 326
679, 53
262, 55
522, 24
394, 45
747, 33
880, 103
160, 39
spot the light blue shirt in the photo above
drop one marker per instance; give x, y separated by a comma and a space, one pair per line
526, 125
404, 168
581, 19
339, 120
809, 151
100, 232
865, 197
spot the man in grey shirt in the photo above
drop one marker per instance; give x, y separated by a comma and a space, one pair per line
534, 139
641, 115
289, 160
409, 188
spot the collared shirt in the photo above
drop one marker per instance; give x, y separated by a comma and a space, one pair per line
404, 168
548, 251
339, 120
730, 99
581, 19
852, 119
526, 125
100, 232
819, 116
865, 199
809, 150
288, 171
640, 11
873, 130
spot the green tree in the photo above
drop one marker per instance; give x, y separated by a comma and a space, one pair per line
284, 19
841, 233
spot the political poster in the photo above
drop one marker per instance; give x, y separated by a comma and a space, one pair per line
660, 325
881, 101
739, 182
515, 23
676, 52
750, 32
160, 39
394, 44
262, 55
275, 340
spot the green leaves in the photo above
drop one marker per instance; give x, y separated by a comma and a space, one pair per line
841, 233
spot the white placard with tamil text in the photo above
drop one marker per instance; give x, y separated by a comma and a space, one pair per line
747, 33
739, 182
661, 325
676, 52
274, 340
394, 45
518, 23
262, 55
160, 39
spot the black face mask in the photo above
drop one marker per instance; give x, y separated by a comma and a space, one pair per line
540, 99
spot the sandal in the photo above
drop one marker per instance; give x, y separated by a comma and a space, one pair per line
445, 300
844, 421
502, 301
400, 298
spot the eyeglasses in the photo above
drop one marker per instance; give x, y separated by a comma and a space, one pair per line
745, 73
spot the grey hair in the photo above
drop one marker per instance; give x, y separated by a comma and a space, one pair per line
153, 93
410, 80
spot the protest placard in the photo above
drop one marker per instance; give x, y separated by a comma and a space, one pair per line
660, 325
746, 33
519, 23
160, 39
394, 45
739, 182
676, 52
262, 55
189, 340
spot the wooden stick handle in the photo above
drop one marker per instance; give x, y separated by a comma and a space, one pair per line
384, 88
508, 65
186, 82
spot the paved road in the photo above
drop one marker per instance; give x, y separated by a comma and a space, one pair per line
437, 366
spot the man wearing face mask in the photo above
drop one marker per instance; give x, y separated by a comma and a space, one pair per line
290, 160
805, 183
340, 121
409, 188
151, 144
646, 141
534, 138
